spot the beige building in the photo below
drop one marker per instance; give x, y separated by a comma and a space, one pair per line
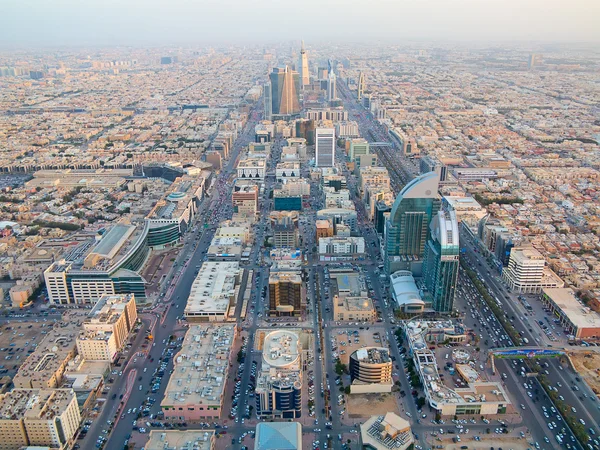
359, 309
371, 370
181, 440
38, 417
106, 330
389, 432
196, 387
45, 367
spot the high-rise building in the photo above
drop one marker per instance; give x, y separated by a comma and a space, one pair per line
440, 271
303, 67
361, 86
358, 147
268, 100
331, 86
325, 147
285, 293
285, 86
406, 230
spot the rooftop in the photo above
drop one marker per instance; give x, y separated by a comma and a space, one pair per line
201, 367
213, 287
372, 355
34, 404
280, 349
180, 440
580, 315
278, 436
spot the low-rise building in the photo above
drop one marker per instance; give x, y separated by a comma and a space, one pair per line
527, 272
196, 387
578, 320
278, 436
405, 292
340, 248
213, 292
389, 432
252, 168
359, 309
181, 440
245, 198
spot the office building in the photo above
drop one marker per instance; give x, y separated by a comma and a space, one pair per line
287, 171
331, 86
285, 229
285, 293
213, 292
197, 385
389, 432
406, 230
252, 168
361, 87
339, 216
325, 147
106, 329
429, 163
38, 417
440, 268
357, 147
370, 370
278, 436
286, 201
324, 228
527, 272
285, 88
303, 69
279, 383
341, 248
245, 198
268, 100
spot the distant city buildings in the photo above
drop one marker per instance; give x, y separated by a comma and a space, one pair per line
285, 88
303, 68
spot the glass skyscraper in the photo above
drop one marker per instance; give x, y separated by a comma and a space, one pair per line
406, 229
440, 268
285, 88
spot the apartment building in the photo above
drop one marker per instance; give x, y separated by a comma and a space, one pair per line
38, 417
285, 293
106, 330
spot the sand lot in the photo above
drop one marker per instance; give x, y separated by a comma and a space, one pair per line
589, 368
367, 405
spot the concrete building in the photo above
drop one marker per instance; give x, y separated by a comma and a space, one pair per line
303, 68
480, 398
181, 440
38, 417
285, 294
285, 229
285, 90
527, 272
106, 330
196, 387
325, 147
287, 171
389, 432
358, 309
245, 199
45, 367
339, 216
252, 168
339, 248
213, 292
278, 436
370, 370
279, 384
324, 228
578, 320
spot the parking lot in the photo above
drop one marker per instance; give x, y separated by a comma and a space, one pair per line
347, 340
17, 341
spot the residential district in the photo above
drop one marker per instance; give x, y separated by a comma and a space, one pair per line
300, 247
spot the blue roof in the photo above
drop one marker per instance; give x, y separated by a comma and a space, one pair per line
278, 436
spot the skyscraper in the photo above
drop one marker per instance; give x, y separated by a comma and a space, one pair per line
406, 230
268, 99
285, 85
303, 67
361, 86
440, 268
331, 86
325, 147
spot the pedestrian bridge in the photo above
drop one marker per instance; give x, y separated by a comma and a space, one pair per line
523, 353
380, 144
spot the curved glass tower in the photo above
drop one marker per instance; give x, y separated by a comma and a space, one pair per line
406, 229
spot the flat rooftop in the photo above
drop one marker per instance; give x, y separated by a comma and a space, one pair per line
201, 367
580, 315
280, 349
41, 404
180, 440
214, 287
109, 308
358, 303
373, 355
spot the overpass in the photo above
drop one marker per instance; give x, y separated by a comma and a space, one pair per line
381, 144
523, 353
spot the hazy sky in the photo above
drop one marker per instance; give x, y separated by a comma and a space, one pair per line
151, 22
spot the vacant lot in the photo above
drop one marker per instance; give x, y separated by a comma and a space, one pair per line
367, 405
512, 443
588, 366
